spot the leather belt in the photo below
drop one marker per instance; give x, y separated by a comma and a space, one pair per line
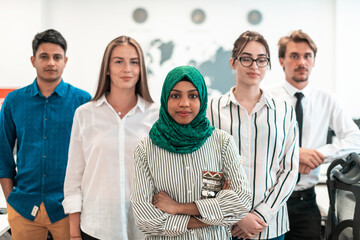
307, 193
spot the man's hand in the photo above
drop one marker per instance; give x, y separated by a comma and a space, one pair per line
249, 226
7, 186
304, 169
310, 158
165, 203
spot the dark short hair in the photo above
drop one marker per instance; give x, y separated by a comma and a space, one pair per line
247, 37
48, 36
297, 37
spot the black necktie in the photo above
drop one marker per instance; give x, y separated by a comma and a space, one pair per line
299, 118
299, 114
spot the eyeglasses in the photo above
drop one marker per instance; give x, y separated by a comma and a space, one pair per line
248, 61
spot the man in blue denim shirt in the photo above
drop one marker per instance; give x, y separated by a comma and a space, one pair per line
38, 119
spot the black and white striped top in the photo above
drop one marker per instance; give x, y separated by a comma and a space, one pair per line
180, 176
267, 142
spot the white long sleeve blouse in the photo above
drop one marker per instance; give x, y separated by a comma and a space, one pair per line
100, 167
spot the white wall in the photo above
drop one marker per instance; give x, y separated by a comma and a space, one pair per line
88, 25
347, 51
19, 21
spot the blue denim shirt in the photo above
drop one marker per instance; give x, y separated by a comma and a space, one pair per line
42, 128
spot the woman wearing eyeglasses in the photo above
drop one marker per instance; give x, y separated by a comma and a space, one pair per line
266, 134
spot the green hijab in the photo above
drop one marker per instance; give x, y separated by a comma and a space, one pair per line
166, 132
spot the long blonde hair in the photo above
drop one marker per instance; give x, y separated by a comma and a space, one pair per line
141, 87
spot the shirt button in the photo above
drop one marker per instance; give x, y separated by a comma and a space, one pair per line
187, 167
189, 191
44, 175
44, 156
45, 119
46, 100
44, 137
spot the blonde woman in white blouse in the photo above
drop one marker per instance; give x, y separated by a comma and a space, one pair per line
104, 134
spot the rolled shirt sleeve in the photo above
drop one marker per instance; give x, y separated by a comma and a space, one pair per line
346, 131
7, 143
74, 172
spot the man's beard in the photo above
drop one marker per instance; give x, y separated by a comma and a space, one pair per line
300, 80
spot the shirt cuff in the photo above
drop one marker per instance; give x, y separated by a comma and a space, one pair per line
72, 204
210, 210
6, 174
265, 212
176, 225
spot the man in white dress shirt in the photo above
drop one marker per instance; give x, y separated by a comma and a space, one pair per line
317, 110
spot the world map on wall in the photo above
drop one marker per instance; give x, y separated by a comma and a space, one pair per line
214, 66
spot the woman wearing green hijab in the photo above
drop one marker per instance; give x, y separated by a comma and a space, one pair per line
177, 191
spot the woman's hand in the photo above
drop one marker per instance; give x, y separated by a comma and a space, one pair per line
74, 221
249, 226
226, 185
165, 203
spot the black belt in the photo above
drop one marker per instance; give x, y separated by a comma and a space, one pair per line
307, 193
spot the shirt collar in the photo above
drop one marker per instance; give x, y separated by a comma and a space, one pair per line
101, 100
264, 99
141, 103
59, 90
291, 90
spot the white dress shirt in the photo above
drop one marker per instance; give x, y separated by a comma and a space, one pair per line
100, 168
268, 144
321, 110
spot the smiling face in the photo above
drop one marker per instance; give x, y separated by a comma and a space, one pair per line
297, 63
124, 67
252, 75
183, 102
49, 62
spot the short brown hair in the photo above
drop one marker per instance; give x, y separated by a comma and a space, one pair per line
244, 39
296, 36
141, 87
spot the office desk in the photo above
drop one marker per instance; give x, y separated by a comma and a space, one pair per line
4, 224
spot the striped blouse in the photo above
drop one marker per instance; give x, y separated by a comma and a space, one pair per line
267, 142
180, 176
